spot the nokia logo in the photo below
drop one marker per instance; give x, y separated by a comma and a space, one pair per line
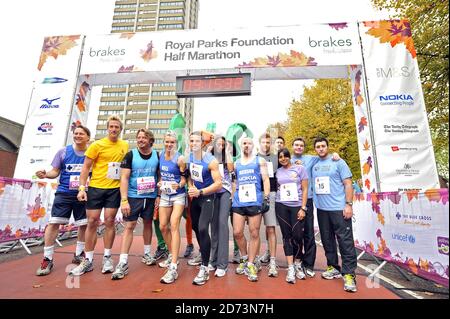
396, 97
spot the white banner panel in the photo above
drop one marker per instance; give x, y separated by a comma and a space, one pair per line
400, 125
50, 106
409, 229
295, 46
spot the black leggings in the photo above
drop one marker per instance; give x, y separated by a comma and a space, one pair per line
291, 229
202, 211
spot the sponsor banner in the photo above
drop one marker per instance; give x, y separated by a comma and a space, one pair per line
408, 228
297, 46
50, 104
80, 107
364, 134
25, 208
397, 107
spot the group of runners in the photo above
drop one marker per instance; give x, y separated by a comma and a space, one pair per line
207, 187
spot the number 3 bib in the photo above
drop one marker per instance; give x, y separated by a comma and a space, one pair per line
322, 185
113, 170
247, 193
288, 192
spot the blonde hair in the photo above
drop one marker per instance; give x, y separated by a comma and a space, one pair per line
170, 133
114, 118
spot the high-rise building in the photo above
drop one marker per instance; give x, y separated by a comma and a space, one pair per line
147, 105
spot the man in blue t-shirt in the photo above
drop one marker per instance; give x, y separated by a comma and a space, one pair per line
333, 197
67, 165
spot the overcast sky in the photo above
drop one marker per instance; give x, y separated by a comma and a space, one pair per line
22, 41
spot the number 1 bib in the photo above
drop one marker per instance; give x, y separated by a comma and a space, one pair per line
113, 170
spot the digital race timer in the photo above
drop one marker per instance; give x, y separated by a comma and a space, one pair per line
213, 85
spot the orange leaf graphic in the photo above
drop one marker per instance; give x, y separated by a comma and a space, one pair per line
412, 265
412, 194
433, 195
366, 168
366, 145
367, 183
126, 35
380, 218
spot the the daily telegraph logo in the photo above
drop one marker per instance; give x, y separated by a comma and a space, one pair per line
442, 243
49, 103
393, 72
53, 80
396, 99
45, 128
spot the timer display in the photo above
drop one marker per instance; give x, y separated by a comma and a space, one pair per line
213, 85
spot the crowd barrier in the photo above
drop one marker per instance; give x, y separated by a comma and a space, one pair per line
409, 229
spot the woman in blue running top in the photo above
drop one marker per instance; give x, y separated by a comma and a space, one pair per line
219, 228
204, 182
172, 167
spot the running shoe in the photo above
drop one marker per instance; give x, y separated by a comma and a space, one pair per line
202, 276
77, 259
45, 268
148, 260
161, 253
108, 265
170, 276
220, 272
331, 273
189, 251
299, 271
273, 269
349, 283
240, 270
84, 267
197, 260
236, 257
265, 258
252, 272
290, 277
120, 272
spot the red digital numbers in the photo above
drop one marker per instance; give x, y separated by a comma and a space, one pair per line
213, 84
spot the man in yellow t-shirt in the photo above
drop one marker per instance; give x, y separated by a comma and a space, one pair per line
104, 157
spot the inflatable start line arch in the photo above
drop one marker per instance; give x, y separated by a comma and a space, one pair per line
395, 147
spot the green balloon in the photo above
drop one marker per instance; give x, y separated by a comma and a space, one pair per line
234, 133
178, 124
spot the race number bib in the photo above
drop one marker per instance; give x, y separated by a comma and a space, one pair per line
196, 172
289, 192
270, 169
221, 170
146, 185
247, 193
74, 182
166, 188
322, 185
113, 170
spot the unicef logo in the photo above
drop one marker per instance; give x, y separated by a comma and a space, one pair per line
411, 239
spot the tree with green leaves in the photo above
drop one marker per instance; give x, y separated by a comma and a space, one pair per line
326, 109
429, 26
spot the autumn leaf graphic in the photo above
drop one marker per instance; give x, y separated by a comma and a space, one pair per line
149, 53
81, 96
292, 59
56, 46
367, 183
126, 35
361, 124
366, 145
412, 194
380, 218
393, 32
367, 166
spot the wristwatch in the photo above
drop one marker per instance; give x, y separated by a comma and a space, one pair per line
303, 209
201, 192
349, 203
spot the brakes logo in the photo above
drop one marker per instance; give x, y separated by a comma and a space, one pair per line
45, 128
48, 104
396, 99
